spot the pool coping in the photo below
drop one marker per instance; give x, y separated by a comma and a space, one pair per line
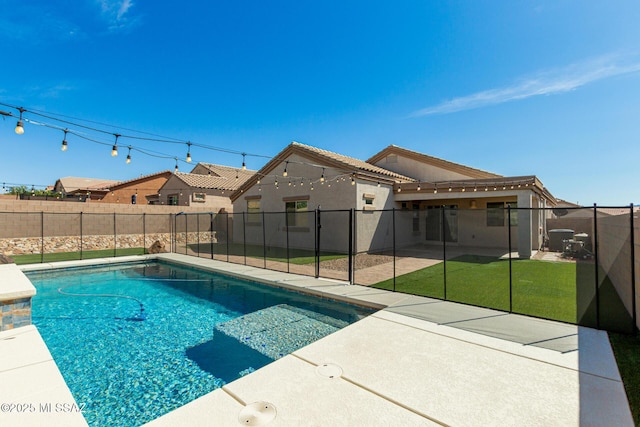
531, 351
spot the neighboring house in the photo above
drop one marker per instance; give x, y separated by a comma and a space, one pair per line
141, 190
415, 184
93, 188
210, 187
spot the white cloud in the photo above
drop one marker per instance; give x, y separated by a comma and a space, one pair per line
115, 12
544, 83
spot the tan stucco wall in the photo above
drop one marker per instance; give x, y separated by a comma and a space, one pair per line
214, 199
418, 170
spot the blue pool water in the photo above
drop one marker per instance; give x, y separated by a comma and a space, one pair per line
136, 341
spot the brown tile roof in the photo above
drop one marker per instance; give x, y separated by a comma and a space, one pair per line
349, 163
72, 183
213, 182
229, 172
430, 160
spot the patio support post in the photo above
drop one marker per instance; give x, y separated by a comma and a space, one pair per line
264, 242
444, 251
175, 232
393, 236
633, 270
510, 266
350, 272
596, 266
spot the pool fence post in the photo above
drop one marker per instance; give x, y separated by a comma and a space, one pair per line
444, 251
264, 241
244, 237
42, 236
317, 241
115, 235
226, 234
211, 232
351, 236
393, 234
80, 234
633, 271
286, 227
186, 234
198, 233
144, 233
595, 257
509, 249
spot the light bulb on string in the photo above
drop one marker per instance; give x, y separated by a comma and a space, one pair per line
284, 173
129, 156
64, 141
322, 177
176, 168
188, 152
114, 150
244, 165
20, 124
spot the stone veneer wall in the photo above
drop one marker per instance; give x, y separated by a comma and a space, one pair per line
15, 313
57, 244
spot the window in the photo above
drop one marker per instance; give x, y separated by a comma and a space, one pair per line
199, 197
297, 213
514, 213
253, 211
497, 212
172, 200
368, 201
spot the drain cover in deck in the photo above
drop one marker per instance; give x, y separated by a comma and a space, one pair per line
257, 414
329, 370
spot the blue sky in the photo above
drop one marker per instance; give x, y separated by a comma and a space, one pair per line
545, 88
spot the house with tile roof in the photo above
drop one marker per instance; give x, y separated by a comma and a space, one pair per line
302, 179
141, 190
72, 185
208, 186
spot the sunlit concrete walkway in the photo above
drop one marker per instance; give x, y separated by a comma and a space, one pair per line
420, 361
415, 361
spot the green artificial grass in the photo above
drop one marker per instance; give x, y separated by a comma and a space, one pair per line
273, 253
71, 256
539, 288
627, 352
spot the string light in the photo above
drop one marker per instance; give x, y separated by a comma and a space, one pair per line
418, 189
322, 177
114, 150
129, 156
20, 124
244, 165
64, 141
176, 168
353, 179
188, 152
285, 168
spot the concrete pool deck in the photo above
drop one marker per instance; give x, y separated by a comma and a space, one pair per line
416, 361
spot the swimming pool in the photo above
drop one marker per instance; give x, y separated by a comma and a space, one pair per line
136, 341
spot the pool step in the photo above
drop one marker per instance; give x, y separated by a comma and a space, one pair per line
279, 330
